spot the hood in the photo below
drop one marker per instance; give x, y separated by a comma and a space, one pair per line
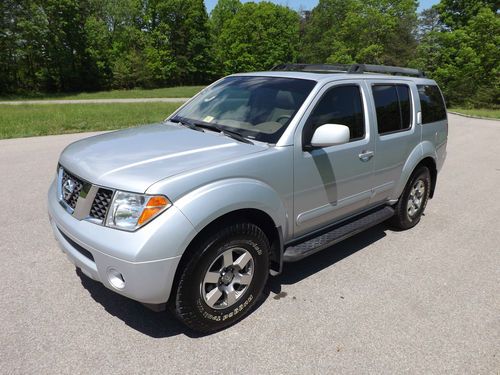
134, 159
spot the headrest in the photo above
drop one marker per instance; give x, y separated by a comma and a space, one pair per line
285, 100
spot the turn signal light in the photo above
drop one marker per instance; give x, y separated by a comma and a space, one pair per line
154, 206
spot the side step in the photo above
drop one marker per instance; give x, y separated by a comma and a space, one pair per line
337, 233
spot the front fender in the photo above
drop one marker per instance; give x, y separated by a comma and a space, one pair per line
420, 152
211, 201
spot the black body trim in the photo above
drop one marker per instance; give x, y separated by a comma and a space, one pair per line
337, 233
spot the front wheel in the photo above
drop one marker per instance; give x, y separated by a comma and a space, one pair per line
223, 280
411, 204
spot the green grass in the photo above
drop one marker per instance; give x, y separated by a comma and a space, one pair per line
34, 120
166, 92
483, 112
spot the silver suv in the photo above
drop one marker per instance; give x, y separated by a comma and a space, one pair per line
256, 170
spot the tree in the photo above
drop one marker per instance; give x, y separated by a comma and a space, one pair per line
259, 36
429, 21
23, 30
223, 12
69, 66
370, 31
465, 61
184, 24
457, 13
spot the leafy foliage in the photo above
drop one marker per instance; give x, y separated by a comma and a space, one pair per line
457, 13
465, 60
257, 37
363, 31
75, 45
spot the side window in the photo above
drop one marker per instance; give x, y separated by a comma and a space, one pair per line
405, 105
340, 105
393, 107
432, 104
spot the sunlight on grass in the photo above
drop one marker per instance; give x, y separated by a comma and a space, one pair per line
33, 120
166, 92
482, 112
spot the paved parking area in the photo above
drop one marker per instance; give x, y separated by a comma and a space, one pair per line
423, 301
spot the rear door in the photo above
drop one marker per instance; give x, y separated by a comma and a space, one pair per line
396, 133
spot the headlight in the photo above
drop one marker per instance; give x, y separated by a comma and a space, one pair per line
130, 211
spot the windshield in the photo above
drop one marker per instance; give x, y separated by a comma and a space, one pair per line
258, 108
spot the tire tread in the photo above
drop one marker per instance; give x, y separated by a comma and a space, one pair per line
187, 313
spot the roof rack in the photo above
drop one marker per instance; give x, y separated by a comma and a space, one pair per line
350, 69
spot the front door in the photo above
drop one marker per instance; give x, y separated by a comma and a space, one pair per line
333, 182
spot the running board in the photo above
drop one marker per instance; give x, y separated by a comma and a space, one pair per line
337, 233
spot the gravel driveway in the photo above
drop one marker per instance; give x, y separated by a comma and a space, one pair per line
424, 301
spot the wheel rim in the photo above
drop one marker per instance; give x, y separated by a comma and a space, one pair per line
416, 198
227, 278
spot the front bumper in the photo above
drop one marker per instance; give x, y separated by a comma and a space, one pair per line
147, 259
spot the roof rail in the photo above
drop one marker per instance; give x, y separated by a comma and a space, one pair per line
323, 68
350, 69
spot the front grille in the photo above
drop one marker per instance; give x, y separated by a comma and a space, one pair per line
70, 188
101, 203
82, 199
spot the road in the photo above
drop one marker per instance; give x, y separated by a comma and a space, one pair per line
424, 301
95, 101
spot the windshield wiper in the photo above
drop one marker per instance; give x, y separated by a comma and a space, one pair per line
237, 136
229, 133
186, 122
196, 125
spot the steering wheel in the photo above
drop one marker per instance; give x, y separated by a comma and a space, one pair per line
283, 117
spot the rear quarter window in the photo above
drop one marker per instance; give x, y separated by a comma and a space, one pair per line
431, 104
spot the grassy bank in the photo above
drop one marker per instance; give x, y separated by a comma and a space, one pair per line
483, 112
166, 92
33, 120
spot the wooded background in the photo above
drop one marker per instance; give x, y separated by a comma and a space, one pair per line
87, 45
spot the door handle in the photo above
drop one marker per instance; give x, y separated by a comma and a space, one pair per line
366, 155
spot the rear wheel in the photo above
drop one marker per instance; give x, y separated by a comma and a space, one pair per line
223, 280
411, 204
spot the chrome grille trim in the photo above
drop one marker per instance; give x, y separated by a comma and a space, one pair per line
88, 202
77, 185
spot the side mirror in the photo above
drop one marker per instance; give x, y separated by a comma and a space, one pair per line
330, 135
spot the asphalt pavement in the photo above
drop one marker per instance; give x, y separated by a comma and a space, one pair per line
423, 301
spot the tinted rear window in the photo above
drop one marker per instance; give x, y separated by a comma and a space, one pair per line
431, 103
393, 107
405, 105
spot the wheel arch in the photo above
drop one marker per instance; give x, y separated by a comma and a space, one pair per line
430, 163
227, 201
422, 154
252, 215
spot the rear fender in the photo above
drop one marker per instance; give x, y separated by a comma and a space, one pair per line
420, 152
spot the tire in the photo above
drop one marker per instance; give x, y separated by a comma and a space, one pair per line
411, 204
209, 296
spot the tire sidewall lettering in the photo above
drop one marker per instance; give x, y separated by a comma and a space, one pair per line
223, 316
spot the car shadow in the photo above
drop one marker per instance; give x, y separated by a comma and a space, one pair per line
134, 314
298, 271
164, 324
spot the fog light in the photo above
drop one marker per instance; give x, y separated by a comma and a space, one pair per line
116, 278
